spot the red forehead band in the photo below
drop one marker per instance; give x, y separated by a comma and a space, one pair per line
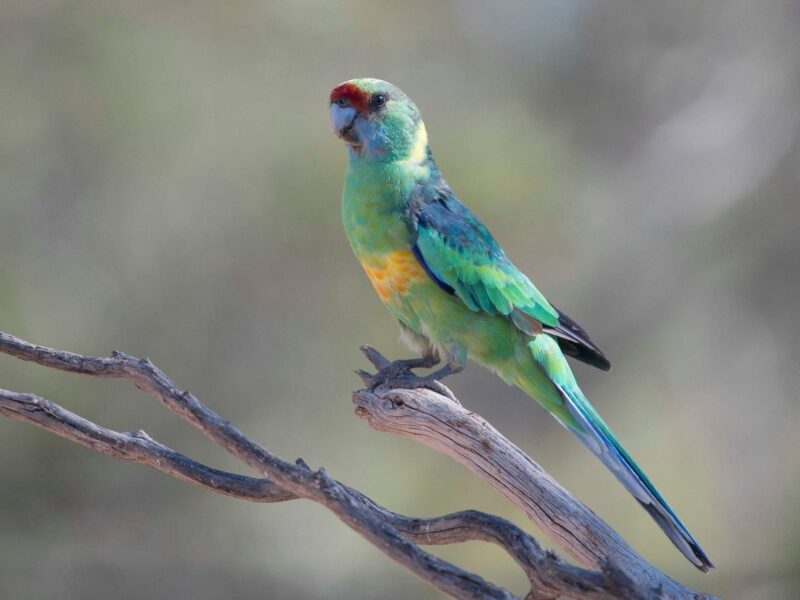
357, 97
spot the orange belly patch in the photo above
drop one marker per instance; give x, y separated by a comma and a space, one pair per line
392, 273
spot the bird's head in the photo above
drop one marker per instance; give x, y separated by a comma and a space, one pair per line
377, 121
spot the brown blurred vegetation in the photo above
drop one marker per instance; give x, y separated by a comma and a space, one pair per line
169, 187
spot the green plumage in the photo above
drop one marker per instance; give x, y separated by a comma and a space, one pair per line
447, 281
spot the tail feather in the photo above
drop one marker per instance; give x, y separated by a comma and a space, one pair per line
593, 433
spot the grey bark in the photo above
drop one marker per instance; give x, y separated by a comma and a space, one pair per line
616, 571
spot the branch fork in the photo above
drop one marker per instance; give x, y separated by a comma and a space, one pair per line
432, 417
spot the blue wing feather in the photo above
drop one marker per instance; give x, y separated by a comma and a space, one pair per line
459, 253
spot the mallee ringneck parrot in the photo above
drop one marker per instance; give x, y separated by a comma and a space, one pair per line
452, 289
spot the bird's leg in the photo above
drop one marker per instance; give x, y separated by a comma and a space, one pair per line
451, 368
398, 373
426, 361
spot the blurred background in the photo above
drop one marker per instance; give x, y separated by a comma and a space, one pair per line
169, 187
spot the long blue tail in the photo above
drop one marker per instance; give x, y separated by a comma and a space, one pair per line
593, 433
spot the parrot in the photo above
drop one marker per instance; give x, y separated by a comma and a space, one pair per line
454, 292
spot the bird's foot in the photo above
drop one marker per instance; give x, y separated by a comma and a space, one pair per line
399, 375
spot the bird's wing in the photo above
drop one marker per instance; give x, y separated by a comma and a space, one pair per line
458, 252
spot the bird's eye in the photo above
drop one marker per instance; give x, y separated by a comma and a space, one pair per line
341, 102
377, 101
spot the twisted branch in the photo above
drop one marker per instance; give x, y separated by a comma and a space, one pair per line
396, 535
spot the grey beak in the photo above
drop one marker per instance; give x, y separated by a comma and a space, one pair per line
342, 119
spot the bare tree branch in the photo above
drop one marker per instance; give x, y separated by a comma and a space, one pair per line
394, 534
135, 446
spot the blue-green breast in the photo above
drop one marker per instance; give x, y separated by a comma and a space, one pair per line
373, 204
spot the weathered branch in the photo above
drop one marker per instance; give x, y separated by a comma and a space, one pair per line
135, 446
431, 419
394, 534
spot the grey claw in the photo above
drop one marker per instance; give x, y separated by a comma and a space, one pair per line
398, 374
443, 390
375, 357
365, 377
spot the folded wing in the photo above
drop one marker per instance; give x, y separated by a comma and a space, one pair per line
459, 253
